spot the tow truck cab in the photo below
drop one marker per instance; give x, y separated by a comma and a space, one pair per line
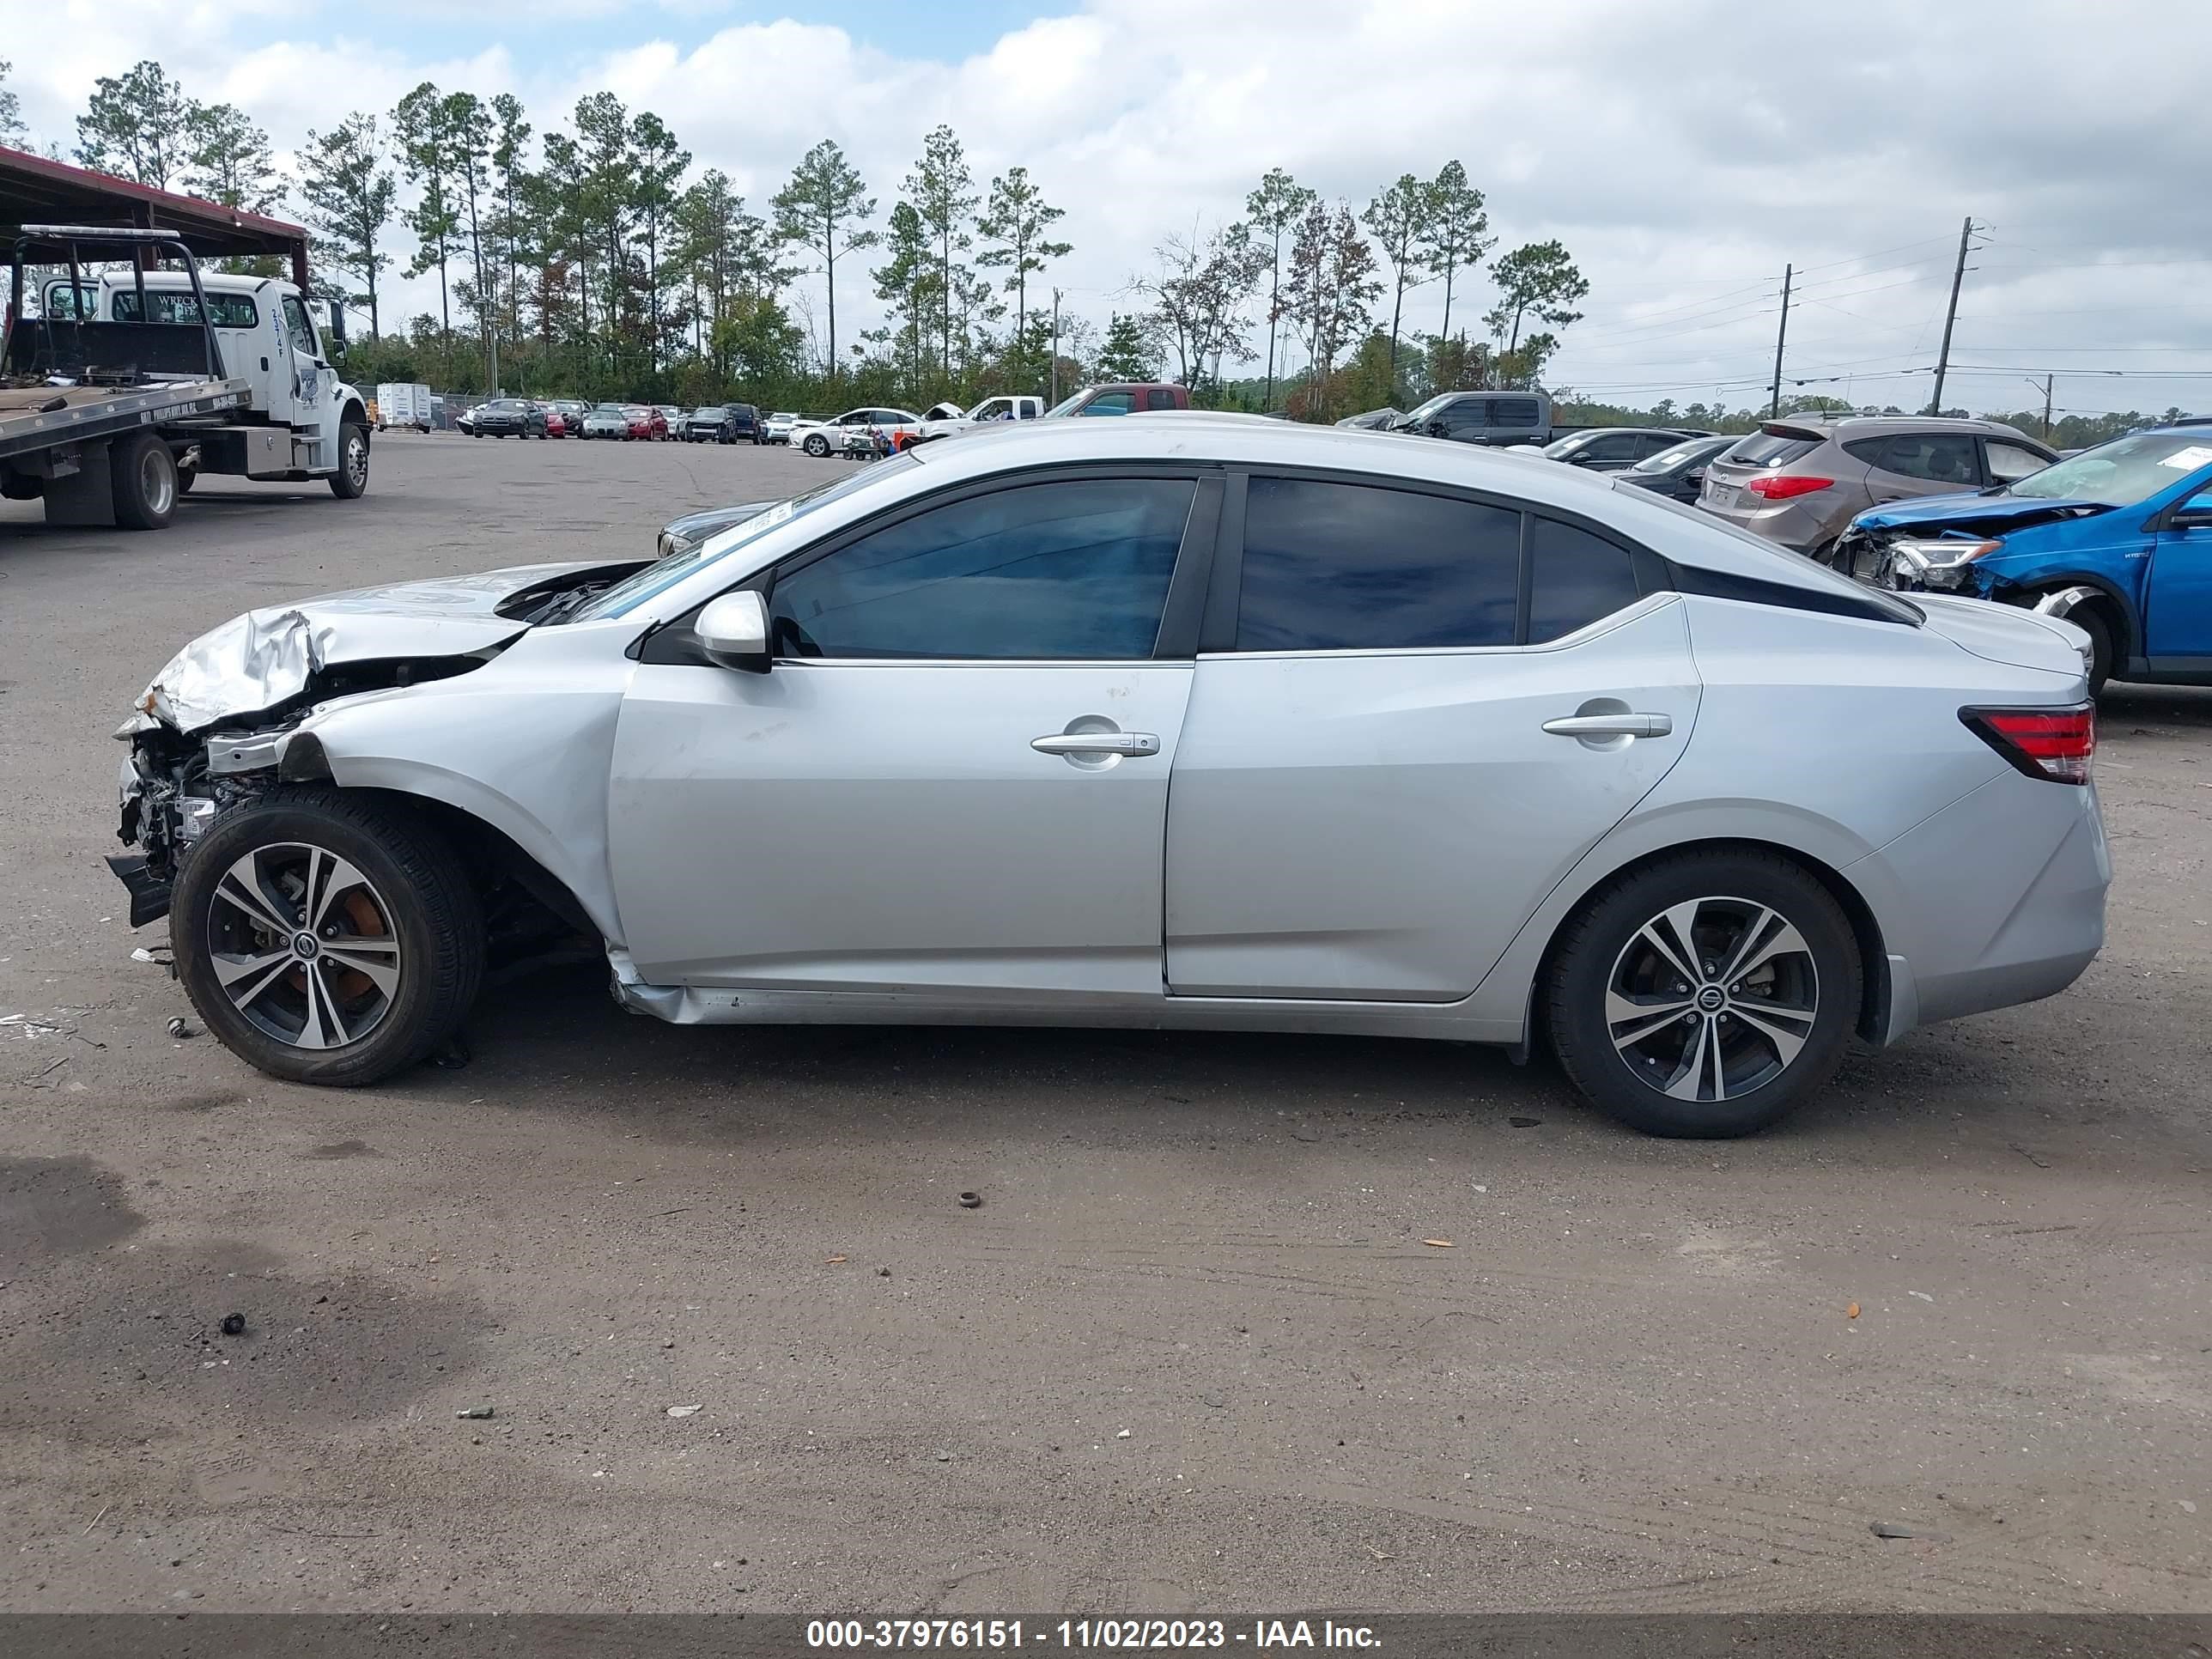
281, 343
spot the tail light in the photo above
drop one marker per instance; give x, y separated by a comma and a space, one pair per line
1781, 488
2043, 742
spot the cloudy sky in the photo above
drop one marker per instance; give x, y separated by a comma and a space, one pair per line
1684, 153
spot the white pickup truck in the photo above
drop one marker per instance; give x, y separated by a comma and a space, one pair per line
943, 420
122, 387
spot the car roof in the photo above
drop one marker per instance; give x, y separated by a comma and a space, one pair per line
1875, 426
1204, 438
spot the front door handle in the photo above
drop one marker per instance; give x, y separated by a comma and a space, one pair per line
1097, 743
1611, 726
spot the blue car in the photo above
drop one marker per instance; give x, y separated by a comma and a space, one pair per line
2117, 540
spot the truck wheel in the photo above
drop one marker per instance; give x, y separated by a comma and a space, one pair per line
324, 938
145, 481
351, 478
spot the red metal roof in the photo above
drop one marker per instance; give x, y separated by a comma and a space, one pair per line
34, 189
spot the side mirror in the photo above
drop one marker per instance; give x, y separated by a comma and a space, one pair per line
1438, 429
732, 631
2194, 513
1696, 475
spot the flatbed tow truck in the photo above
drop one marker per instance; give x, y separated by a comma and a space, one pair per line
121, 386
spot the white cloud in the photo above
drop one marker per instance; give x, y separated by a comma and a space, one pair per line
1682, 152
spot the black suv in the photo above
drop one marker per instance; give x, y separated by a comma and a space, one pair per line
510, 417
722, 423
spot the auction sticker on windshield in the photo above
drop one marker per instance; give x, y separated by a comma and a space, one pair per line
2189, 459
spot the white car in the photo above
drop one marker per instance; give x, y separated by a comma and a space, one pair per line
775, 428
943, 420
830, 437
1154, 722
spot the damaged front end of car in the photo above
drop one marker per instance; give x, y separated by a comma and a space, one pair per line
229, 717
1943, 544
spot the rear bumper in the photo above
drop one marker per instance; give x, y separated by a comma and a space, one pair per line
1998, 899
1789, 524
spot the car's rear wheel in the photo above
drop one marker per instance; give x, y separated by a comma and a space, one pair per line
326, 939
1705, 996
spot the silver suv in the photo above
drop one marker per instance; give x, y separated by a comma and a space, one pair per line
1800, 482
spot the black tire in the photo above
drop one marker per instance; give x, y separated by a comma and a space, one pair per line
351, 482
417, 893
1605, 946
144, 475
815, 445
2092, 620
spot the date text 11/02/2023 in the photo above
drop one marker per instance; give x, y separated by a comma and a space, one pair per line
1137, 1634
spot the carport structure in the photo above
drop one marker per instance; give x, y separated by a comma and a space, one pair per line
36, 190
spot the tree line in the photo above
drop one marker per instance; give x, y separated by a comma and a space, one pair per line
591, 259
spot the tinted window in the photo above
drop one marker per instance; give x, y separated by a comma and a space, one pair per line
230, 310
1866, 449
1110, 403
1513, 411
1160, 399
1770, 449
1613, 447
1078, 569
1574, 578
1334, 567
1467, 412
1940, 457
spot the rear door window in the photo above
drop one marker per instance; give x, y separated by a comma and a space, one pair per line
1342, 567
1160, 397
1575, 578
1513, 411
1937, 457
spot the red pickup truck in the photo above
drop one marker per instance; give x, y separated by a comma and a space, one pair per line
1124, 399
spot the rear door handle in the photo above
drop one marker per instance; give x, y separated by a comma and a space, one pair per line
1611, 726
1097, 743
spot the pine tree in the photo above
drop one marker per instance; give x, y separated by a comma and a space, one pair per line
349, 195
135, 126
822, 209
1014, 228
941, 189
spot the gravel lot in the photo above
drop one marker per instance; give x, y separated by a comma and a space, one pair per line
1192, 1353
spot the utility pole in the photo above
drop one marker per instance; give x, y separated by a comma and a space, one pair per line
2046, 407
1055, 349
1958, 274
1781, 334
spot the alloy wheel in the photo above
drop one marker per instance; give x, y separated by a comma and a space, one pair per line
303, 945
1711, 999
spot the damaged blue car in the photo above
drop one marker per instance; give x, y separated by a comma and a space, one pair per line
2117, 540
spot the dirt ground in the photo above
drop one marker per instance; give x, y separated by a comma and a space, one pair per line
1191, 1354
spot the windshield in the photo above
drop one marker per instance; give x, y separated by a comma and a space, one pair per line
709, 412
1067, 405
1567, 446
662, 574
1668, 460
1433, 406
2122, 472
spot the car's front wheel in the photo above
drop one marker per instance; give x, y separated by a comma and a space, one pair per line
324, 938
817, 445
1705, 996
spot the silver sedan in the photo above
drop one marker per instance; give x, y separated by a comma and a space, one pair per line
1161, 721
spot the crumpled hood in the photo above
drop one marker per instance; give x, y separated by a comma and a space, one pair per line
1972, 513
264, 658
